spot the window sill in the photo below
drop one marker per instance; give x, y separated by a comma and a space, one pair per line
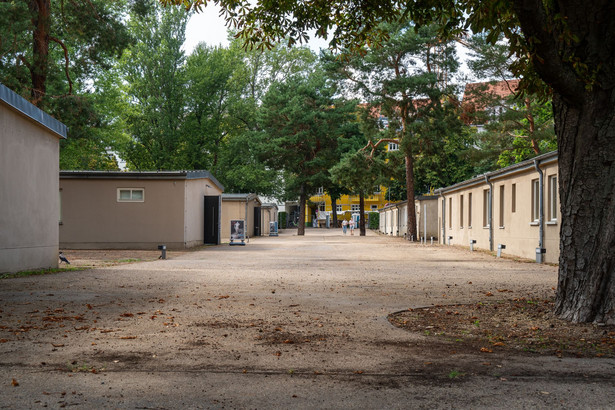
552, 223
534, 223
502, 227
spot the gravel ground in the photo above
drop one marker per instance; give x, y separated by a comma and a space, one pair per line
284, 322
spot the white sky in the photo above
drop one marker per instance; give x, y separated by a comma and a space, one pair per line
208, 27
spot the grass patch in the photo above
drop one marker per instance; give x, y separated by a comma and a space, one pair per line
38, 272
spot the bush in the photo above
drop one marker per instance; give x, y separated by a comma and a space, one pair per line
373, 220
282, 220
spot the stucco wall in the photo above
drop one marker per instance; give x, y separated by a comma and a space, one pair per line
92, 217
29, 162
195, 191
513, 222
236, 209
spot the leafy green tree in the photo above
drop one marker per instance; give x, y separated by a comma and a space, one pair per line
405, 80
153, 70
302, 122
359, 171
516, 127
51, 52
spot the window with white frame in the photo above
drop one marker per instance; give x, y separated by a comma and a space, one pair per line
553, 198
376, 189
374, 207
355, 207
130, 195
338, 208
320, 191
393, 146
535, 200
321, 208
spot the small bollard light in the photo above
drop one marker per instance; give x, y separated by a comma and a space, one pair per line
472, 242
163, 249
500, 247
449, 239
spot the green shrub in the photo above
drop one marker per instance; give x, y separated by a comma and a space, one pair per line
373, 220
282, 220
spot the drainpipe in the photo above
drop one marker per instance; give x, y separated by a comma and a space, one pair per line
443, 218
541, 216
489, 212
245, 233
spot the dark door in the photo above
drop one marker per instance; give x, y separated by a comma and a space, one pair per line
211, 233
257, 221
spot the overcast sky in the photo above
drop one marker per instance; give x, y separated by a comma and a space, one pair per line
208, 27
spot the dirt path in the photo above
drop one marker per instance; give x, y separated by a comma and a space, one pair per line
282, 322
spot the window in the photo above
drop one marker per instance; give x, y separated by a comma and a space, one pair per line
535, 200
501, 206
469, 210
321, 208
486, 208
130, 195
461, 211
553, 197
376, 189
374, 207
320, 191
338, 208
393, 146
513, 198
450, 212
355, 207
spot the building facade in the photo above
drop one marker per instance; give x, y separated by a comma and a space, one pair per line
139, 210
517, 207
29, 165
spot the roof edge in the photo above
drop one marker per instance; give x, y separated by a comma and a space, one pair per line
20, 104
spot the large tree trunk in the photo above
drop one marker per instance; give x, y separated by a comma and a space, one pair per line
41, 11
334, 212
302, 200
362, 214
411, 214
586, 150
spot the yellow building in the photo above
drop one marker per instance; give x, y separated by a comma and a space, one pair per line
348, 203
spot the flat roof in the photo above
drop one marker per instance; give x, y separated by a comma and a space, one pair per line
151, 175
31, 111
240, 197
514, 168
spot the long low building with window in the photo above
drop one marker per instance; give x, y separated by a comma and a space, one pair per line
139, 210
515, 208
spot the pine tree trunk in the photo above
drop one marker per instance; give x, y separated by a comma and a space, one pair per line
411, 215
362, 215
41, 11
302, 200
334, 212
586, 145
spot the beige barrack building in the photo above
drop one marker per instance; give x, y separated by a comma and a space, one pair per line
139, 210
29, 165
